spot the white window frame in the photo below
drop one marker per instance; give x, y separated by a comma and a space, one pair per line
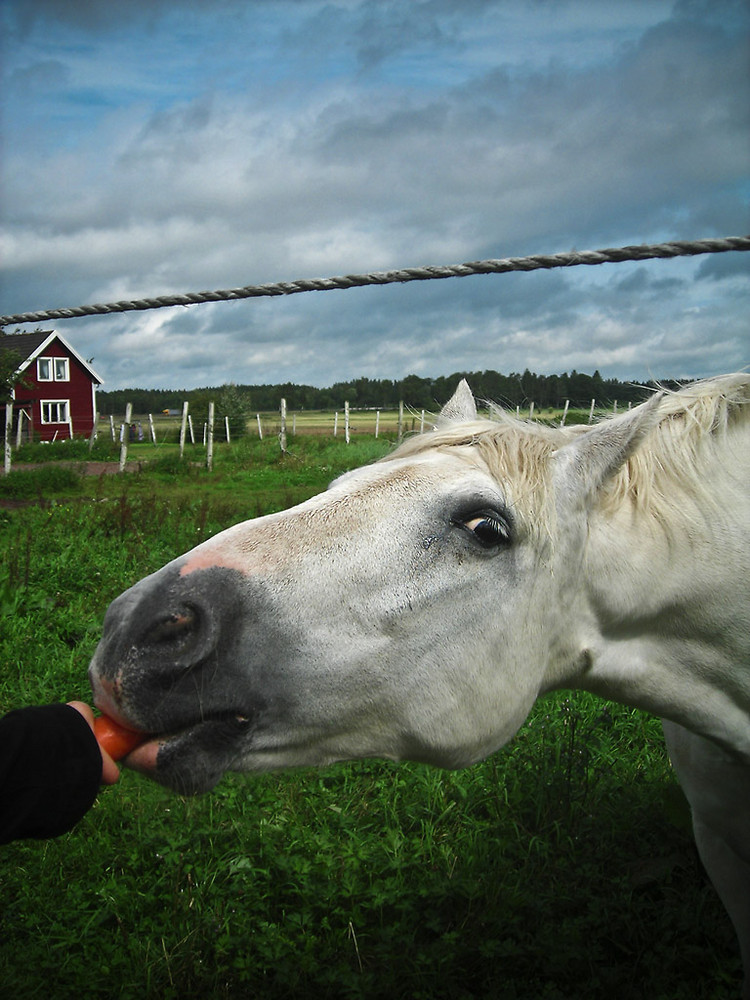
61, 412
58, 369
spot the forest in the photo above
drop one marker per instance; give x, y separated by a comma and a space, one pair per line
515, 389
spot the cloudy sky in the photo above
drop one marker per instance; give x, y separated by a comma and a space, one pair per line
159, 146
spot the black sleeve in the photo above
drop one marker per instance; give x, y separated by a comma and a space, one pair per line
50, 771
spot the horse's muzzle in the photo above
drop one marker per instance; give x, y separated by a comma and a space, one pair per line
169, 652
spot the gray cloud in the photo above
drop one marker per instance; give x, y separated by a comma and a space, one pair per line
354, 138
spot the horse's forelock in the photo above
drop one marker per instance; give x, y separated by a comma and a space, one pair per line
515, 452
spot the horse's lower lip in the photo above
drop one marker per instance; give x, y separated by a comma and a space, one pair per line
224, 725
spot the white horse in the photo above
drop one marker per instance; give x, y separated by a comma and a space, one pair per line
417, 609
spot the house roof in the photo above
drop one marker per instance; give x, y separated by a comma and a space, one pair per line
30, 345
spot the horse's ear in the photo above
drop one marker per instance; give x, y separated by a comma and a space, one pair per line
461, 405
584, 464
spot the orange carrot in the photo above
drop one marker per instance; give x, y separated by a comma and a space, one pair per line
114, 738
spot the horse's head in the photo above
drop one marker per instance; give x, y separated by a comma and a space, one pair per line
414, 610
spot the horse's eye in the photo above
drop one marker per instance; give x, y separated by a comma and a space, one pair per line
490, 529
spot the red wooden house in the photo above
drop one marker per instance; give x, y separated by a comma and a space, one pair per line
55, 395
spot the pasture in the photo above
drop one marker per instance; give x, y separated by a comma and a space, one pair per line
563, 866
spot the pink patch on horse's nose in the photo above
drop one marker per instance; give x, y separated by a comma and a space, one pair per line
106, 695
210, 559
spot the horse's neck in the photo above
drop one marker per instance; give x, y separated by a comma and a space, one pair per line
666, 616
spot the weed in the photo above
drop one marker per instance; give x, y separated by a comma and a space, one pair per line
47, 480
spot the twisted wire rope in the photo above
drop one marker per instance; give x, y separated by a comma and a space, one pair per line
574, 258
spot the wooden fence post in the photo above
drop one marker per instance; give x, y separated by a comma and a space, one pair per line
377, 422
531, 410
591, 411
400, 420
183, 425
112, 427
93, 434
125, 436
565, 413
260, 429
23, 415
152, 429
336, 423
226, 428
8, 433
346, 421
210, 438
282, 432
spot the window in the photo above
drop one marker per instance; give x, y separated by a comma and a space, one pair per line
53, 369
55, 411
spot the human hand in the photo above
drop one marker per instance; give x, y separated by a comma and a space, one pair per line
110, 770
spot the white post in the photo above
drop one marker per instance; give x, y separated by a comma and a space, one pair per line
125, 436
294, 424
377, 422
282, 433
226, 428
614, 408
8, 434
92, 435
260, 429
191, 429
591, 411
565, 412
210, 438
518, 411
112, 427
19, 428
531, 410
346, 421
335, 423
400, 420
152, 429
183, 425
421, 424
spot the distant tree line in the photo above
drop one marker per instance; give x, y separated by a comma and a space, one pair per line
515, 389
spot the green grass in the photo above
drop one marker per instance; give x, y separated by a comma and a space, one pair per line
561, 867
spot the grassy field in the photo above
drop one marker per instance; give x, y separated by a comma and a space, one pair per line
561, 867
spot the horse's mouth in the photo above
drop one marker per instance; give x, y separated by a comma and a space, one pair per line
193, 758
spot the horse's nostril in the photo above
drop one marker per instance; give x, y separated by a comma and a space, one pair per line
172, 627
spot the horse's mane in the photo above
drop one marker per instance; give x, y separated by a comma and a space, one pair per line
691, 424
